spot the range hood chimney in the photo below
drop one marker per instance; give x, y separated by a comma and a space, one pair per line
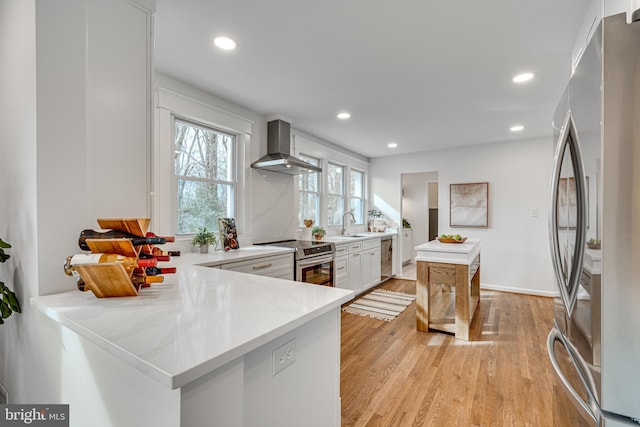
279, 158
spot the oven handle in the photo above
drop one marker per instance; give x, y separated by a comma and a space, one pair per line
315, 260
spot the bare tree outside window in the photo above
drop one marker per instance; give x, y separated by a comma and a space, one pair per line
205, 174
309, 193
335, 194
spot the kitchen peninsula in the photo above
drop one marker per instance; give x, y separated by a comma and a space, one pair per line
455, 268
208, 347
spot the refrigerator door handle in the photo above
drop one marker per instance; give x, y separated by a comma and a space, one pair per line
583, 407
569, 281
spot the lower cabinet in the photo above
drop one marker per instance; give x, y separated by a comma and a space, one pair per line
370, 263
407, 245
355, 271
279, 266
359, 269
370, 267
342, 267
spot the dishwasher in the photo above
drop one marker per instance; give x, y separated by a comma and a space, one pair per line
386, 258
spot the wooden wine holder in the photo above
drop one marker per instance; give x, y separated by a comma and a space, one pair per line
112, 279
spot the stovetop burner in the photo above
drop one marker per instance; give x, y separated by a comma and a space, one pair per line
304, 248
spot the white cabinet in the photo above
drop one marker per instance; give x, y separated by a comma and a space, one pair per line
363, 265
279, 266
371, 264
342, 266
354, 265
407, 245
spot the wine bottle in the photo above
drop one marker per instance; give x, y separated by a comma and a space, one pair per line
154, 271
157, 251
116, 234
146, 281
167, 238
129, 263
145, 255
70, 271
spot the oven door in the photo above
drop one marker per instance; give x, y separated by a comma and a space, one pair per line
317, 270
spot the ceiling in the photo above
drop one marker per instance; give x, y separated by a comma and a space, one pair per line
424, 74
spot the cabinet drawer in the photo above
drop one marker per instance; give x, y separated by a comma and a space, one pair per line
355, 247
266, 266
341, 250
370, 244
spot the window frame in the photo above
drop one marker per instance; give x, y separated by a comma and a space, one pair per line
162, 192
327, 194
234, 171
364, 195
317, 193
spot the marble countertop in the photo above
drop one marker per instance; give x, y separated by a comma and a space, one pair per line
214, 258
358, 236
198, 320
452, 253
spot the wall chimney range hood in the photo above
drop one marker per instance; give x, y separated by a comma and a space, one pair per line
279, 158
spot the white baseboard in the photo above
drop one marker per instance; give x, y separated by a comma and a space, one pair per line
518, 290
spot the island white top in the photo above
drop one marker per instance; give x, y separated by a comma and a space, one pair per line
592, 260
197, 321
450, 253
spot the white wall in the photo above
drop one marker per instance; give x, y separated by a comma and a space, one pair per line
46, 138
515, 249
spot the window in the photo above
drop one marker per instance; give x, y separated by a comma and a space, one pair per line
309, 193
205, 175
335, 194
356, 196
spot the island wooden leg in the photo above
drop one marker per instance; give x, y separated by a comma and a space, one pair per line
463, 317
422, 296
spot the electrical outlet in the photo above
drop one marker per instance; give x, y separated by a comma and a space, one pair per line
284, 356
535, 212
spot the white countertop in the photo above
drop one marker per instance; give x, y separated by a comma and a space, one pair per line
358, 236
452, 253
592, 260
198, 320
214, 258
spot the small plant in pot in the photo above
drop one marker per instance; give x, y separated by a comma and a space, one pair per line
318, 232
204, 238
8, 300
376, 223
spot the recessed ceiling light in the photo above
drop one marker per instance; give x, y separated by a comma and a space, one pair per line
392, 145
524, 77
225, 42
343, 115
517, 128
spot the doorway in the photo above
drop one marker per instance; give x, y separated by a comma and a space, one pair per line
419, 211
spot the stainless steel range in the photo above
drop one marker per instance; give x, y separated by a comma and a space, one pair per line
314, 261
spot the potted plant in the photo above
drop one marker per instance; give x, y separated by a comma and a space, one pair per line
376, 222
318, 232
8, 300
405, 223
204, 239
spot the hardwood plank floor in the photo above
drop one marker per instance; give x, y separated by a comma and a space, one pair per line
393, 375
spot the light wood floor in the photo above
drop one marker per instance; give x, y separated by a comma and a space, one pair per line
392, 375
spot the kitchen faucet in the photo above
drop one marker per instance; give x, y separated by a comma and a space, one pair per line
344, 229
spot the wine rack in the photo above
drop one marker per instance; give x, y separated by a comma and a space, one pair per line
112, 279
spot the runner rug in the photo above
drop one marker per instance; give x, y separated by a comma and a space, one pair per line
380, 304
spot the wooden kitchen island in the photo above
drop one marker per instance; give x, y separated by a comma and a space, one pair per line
448, 286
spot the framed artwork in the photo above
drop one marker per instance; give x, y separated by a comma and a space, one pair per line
469, 205
228, 233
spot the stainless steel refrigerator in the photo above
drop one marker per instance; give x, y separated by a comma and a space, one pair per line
594, 219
